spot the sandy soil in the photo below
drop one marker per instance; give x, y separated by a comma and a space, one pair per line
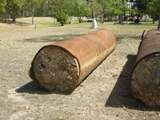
104, 95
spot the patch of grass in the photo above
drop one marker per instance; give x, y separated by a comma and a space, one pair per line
47, 24
62, 37
52, 38
123, 32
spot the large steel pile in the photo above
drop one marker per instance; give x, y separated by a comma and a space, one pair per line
146, 74
64, 65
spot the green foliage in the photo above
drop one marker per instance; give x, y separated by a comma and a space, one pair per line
153, 10
60, 11
153, 7
62, 17
2, 6
95, 7
30, 7
12, 8
141, 5
80, 9
117, 7
106, 6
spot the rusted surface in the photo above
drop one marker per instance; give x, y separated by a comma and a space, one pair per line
146, 73
150, 44
84, 53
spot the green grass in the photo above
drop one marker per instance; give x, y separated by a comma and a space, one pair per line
52, 38
123, 32
47, 24
117, 27
62, 37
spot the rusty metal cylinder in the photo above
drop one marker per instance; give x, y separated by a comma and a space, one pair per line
63, 65
146, 73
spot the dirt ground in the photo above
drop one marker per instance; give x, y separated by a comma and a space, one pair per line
104, 95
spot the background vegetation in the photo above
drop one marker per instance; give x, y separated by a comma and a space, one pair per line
104, 10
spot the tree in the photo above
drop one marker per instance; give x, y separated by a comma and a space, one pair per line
2, 9
59, 11
80, 9
106, 9
31, 7
35, 4
12, 8
62, 17
140, 7
95, 9
120, 7
153, 9
2, 6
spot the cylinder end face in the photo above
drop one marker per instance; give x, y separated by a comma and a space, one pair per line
146, 80
55, 69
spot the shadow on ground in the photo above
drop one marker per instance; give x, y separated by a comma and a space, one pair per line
121, 93
52, 38
34, 88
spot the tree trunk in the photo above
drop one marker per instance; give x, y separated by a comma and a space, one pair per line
102, 18
124, 11
94, 22
80, 20
93, 14
120, 19
32, 16
159, 23
153, 21
62, 24
13, 19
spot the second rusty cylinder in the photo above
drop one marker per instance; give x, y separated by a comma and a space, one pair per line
146, 74
64, 65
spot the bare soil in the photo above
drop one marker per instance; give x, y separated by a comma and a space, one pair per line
104, 95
